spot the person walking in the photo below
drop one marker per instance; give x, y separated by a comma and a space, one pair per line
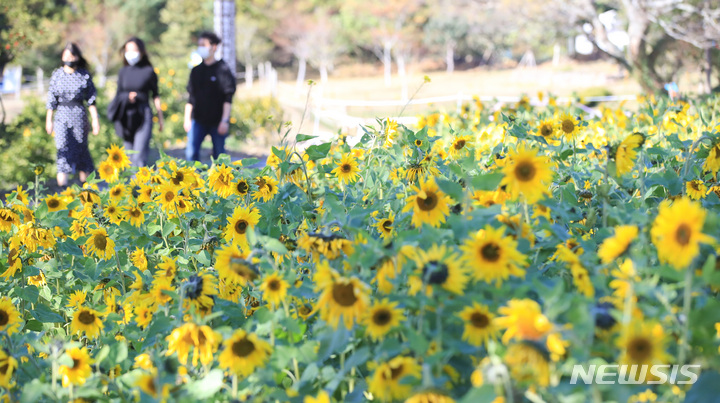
137, 84
71, 85
211, 88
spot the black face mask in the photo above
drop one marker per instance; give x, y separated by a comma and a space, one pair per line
71, 64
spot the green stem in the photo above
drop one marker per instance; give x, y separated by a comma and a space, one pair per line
687, 302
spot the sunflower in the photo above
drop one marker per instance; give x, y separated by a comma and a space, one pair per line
148, 384
100, 244
160, 284
112, 212
220, 179
8, 365
347, 169
429, 204
385, 226
55, 203
613, 247
626, 153
479, 324
643, 343
322, 397
389, 381
528, 363
546, 129
199, 291
460, 146
117, 157
78, 228
267, 188
145, 194
421, 169
430, 396
233, 267
527, 175
712, 162
202, 339
676, 232
523, 320
38, 280
133, 214
340, 296
118, 191
143, 315
14, 261
139, 259
108, 172
80, 370
244, 218
8, 218
303, 310
568, 126
382, 317
492, 256
89, 196
582, 281
77, 299
168, 196
243, 353
274, 289
241, 187
87, 321
438, 266
20, 195
696, 189
9, 317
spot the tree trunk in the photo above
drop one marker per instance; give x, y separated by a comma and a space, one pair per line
450, 56
249, 77
302, 66
708, 73
387, 62
402, 73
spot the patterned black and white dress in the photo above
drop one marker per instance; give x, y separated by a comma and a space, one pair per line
67, 95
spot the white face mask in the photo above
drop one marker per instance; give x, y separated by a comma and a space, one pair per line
132, 57
203, 51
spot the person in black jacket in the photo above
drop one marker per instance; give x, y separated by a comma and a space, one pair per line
137, 84
210, 88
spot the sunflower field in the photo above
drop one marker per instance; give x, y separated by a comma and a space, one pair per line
476, 257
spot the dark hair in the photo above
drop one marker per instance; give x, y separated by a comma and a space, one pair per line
75, 51
144, 59
211, 37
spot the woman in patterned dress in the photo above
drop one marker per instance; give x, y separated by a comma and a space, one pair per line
70, 86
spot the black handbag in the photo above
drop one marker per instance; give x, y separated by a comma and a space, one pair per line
116, 108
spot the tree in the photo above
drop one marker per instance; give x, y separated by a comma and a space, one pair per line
254, 25
184, 20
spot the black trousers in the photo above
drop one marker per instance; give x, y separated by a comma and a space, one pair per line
137, 140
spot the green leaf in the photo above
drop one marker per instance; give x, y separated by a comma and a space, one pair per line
488, 182
46, 315
168, 228
28, 293
273, 245
304, 137
118, 353
316, 152
34, 325
207, 387
451, 188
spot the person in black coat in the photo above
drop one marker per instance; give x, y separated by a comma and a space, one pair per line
137, 84
211, 88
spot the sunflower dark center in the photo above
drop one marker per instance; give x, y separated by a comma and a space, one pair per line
241, 226
490, 252
243, 348
274, 285
239, 267
479, 320
640, 349
100, 241
546, 130
135, 212
305, 309
459, 144
428, 203
435, 272
5, 368
169, 196
568, 126
76, 362
382, 317
695, 185
116, 192
387, 225
86, 318
683, 234
116, 157
525, 171
4, 318
346, 168
242, 187
418, 143
344, 294
53, 203
395, 372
